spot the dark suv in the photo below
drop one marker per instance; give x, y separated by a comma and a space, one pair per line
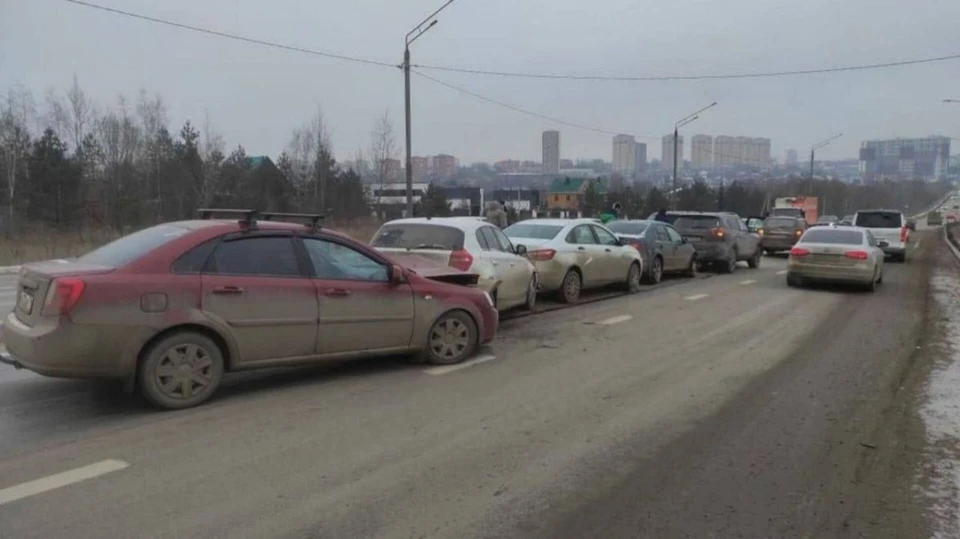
720, 238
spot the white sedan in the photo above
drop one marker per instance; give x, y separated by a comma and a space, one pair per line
837, 254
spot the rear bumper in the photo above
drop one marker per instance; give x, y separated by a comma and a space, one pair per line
550, 274
838, 274
895, 249
779, 243
711, 252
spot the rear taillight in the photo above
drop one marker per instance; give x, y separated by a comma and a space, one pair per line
856, 255
799, 251
63, 295
461, 260
541, 255
717, 233
636, 245
903, 234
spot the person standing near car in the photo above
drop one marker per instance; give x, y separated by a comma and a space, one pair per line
662, 216
496, 216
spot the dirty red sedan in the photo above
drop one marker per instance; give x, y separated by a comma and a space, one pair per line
170, 308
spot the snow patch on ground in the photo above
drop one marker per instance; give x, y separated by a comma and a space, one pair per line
941, 413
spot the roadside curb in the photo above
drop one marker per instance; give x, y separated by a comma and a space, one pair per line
9, 270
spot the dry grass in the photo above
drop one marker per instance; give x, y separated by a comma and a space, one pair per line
34, 246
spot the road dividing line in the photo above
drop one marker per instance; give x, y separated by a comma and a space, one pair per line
696, 297
782, 272
55, 481
917, 245
615, 320
748, 281
446, 369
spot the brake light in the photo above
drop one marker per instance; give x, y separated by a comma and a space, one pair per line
799, 251
63, 296
856, 255
717, 233
903, 234
541, 255
636, 245
461, 259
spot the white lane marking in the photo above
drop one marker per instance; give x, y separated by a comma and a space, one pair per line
55, 481
696, 297
782, 272
615, 320
748, 281
446, 369
917, 245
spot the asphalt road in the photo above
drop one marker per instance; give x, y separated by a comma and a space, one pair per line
728, 406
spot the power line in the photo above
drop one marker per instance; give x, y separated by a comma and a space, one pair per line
235, 37
770, 74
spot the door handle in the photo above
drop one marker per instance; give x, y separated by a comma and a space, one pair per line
607, 249
581, 248
228, 290
336, 292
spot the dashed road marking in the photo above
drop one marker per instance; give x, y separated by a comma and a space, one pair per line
62, 479
782, 272
748, 281
446, 369
917, 245
615, 320
696, 297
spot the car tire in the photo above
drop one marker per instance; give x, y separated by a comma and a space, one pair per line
729, 265
655, 275
634, 276
693, 267
570, 287
451, 339
754, 261
180, 370
531, 301
871, 286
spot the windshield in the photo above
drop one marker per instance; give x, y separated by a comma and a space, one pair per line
696, 222
879, 219
830, 235
781, 222
533, 231
792, 212
634, 228
418, 236
129, 248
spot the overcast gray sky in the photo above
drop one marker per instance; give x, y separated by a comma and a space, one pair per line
256, 96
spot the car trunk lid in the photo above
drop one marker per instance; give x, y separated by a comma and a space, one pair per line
432, 268
829, 254
35, 283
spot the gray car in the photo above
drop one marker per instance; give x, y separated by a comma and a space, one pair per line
662, 247
720, 238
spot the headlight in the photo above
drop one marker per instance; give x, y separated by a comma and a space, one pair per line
489, 299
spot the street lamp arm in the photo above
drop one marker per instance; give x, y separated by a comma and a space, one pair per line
686, 121
819, 145
691, 117
422, 31
424, 21
951, 100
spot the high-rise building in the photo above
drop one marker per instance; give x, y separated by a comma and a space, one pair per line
551, 152
640, 158
792, 157
701, 151
624, 155
666, 151
444, 166
902, 158
730, 152
420, 166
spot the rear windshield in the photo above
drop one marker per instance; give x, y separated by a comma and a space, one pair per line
830, 235
879, 219
627, 227
529, 230
781, 222
694, 222
793, 212
419, 236
131, 247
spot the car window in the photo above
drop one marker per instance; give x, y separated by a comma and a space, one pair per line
505, 242
488, 234
333, 260
605, 237
835, 236
418, 236
194, 260
271, 256
634, 228
482, 240
696, 222
871, 241
661, 234
879, 219
780, 222
673, 235
532, 231
133, 246
581, 235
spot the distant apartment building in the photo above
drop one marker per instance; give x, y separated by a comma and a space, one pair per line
666, 151
701, 151
624, 155
731, 152
639, 158
551, 152
391, 169
507, 166
420, 166
792, 157
566, 163
902, 158
444, 166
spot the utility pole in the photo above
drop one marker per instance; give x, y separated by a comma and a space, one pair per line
676, 137
813, 149
412, 36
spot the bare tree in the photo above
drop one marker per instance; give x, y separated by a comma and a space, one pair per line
382, 149
58, 115
81, 111
212, 156
311, 157
15, 114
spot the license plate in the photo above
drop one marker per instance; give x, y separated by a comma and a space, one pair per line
25, 302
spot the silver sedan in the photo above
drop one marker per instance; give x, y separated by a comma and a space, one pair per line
836, 254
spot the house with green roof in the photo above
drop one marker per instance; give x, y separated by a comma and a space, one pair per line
566, 194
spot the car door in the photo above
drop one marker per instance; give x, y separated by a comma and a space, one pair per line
746, 242
258, 287
504, 265
682, 252
517, 270
587, 250
667, 250
616, 260
360, 310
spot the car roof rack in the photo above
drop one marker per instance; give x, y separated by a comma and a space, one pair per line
313, 219
248, 217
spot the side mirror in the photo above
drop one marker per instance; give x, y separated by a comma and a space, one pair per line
683, 240
520, 249
882, 244
397, 276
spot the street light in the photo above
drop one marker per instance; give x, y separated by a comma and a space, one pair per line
412, 36
676, 135
951, 100
813, 149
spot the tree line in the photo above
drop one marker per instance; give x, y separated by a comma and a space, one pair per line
71, 163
